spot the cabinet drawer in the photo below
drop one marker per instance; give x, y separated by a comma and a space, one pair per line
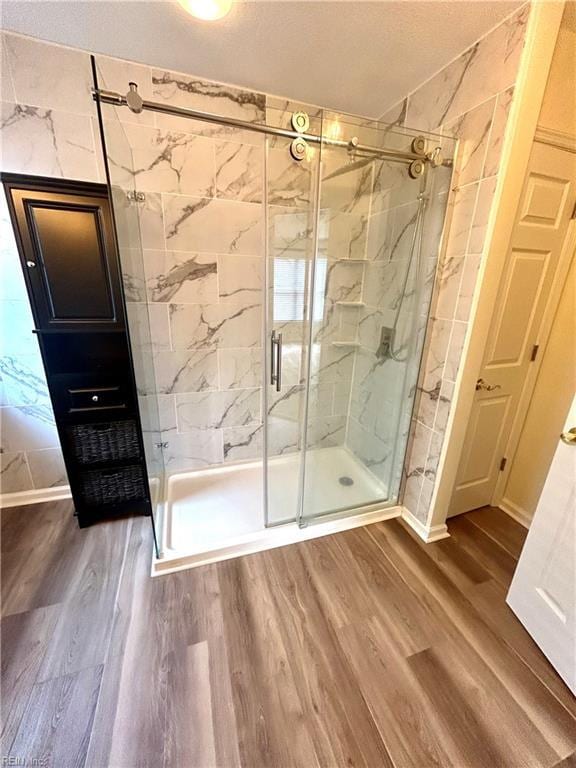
96, 398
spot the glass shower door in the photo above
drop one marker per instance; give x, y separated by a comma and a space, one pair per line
291, 215
131, 213
370, 306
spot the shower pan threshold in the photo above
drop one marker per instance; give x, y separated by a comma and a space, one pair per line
230, 498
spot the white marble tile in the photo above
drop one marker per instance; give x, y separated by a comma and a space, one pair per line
16, 324
326, 432
132, 273
444, 405
467, 286
346, 187
342, 280
412, 492
283, 436
185, 371
485, 69
496, 140
182, 90
14, 473
383, 284
214, 410
433, 457
46, 75
462, 212
369, 448
23, 381
180, 276
419, 452
481, 214
454, 355
347, 236
290, 182
240, 279
194, 449
164, 161
6, 84
425, 499
473, 131
27, 428
47, 468
216, 226
215, 325
47, 142
241, 443
115, 74
239, 171
240, 368
289, 232
148, 326
449, 279
396, 114
11, 278
286, 404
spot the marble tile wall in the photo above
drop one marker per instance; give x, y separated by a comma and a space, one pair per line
46, 129
469, 99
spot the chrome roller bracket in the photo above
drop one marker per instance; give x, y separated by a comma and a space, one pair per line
419, 145
300, 122
299, 148
416, 169
133, 99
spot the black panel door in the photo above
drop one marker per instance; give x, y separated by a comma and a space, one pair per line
74, 278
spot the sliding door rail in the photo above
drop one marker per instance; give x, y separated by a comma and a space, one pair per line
394, 155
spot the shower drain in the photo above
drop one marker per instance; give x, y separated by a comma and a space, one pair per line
345, 480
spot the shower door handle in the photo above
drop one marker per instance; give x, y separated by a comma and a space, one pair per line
276, 360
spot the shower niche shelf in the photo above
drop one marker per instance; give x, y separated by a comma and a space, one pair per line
350, 344
350, 303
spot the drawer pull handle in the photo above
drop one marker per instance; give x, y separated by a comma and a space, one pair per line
94, 398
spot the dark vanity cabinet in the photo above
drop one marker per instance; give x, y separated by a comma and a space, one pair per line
67, 247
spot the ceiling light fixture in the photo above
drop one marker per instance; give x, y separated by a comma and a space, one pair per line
208, 10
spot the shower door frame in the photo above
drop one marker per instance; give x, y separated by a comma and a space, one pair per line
426, 160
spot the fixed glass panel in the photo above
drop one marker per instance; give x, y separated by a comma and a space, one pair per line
131, 211
377, 251
291, 218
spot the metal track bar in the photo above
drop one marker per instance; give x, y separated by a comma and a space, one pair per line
117, 100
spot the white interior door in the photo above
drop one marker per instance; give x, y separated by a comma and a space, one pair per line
543, 591
542, 220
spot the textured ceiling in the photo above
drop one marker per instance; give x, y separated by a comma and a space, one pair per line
359, 57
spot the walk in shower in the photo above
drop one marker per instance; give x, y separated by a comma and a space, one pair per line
278, 265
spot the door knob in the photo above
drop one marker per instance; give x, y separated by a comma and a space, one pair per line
569, 437
481, 384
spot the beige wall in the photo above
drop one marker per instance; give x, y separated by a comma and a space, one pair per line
556, 381
559, 106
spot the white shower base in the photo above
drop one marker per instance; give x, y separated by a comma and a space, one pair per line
218, 513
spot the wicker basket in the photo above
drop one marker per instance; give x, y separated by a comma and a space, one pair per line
109, 441
112, 486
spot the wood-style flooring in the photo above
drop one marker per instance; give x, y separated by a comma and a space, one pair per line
365, 648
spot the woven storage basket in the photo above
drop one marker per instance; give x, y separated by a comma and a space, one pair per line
112, 486
110, 441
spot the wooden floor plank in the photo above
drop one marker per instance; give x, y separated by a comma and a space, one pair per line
503, 531
366, 648
55, 728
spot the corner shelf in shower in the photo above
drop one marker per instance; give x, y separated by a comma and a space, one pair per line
350, 344
354, 261
351, 303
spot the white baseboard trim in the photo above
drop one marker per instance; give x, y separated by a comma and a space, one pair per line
435, 533
515, 512
21, 498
